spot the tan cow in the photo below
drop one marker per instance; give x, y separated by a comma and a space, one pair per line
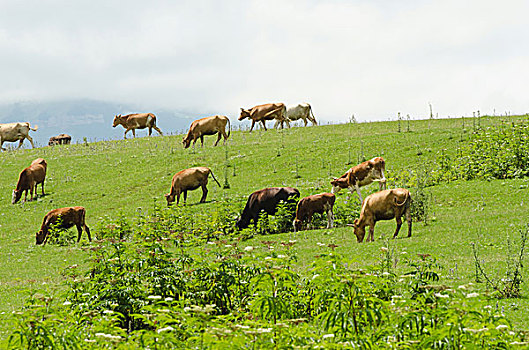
317, 203
207, 126
361, 175
61, 139
63, 218
29, 178
261, 113
188, 180
383, 205
12, 132
136, 121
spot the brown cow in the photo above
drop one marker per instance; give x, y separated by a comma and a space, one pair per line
67, 217
207, 126
29, 178
261, 113
188, 180
361, 175
61, 139
136, 121
266, 199
317, 203
12, 132
383, 205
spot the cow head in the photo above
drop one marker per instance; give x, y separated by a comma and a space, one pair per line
338, 184
245, 113
186, 142
117, 120
170, 198
242, 223
16, 196
297, 225
41, 237
360, 231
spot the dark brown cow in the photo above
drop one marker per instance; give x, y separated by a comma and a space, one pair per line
317, 203
67, 217
261, 113
188, 180
383, 205
61, 139
29, 178
361, 175
266, 199
207, 126
137, 121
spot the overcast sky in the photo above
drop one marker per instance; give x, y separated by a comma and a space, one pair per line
371, 58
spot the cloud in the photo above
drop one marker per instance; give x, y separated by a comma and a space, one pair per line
372, 59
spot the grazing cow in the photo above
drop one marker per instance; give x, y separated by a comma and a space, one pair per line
361, 175
188, 180
12, 132
63, 218
29, 178
300, 111
61, 139
317, 203
207, 126
383, 205
137, 121
265, 112
267, 200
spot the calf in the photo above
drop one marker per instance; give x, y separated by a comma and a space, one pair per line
63, 218
207, 126
187, 180
361, 175
383, 205
266, 199
317, 203
136, 121
12, 132
29, 178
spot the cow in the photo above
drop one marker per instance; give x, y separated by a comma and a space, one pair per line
136, 121
361, 175
266, 199
29, 178
207, 126
317, 203
63, 218
265, 112
61, 139
300, 111
383, 205
12, 132
188, 180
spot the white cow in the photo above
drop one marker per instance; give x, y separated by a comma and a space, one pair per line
300, 111
12, 132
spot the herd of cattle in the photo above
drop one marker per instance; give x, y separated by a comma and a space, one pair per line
383, 205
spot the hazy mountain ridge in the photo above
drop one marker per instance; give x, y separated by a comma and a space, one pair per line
86, 118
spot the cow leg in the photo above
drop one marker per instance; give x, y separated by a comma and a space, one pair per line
20, 143
30, 139
31, 188
134, 133
359, 193
305, 120
399, 224
371, 232
253, 123
408, 219
87, 232
150, 130
185, 196
157, 130
125, 134
204, 194
218, 139
79, 232
194, 142
264, 124
202, 141
330, 218
41, 187
288, 123
177, 197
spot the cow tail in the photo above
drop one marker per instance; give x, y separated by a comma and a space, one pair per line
153, 119
213, 176
229, 127
35, 128
312, 114
404, 201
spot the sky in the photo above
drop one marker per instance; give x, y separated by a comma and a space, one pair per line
371, 58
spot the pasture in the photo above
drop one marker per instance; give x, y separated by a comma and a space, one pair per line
127, 180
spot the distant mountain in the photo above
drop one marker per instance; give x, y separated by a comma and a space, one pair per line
87, 118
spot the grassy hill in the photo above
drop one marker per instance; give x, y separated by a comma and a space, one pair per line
128, 178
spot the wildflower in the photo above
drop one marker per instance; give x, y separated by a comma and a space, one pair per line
281, 256
108, 336
248, 249
264, 330
384, 249
66, 303
164, 310
242, 326
292, 241
268, 258
315, 276
472, 295
487, 307
320, 244
502, 326
165, 329
228, 246
154, 297
108, 312
169, 299
212, 243
325, 336
439, 295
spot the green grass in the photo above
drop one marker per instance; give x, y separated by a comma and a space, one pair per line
126, 177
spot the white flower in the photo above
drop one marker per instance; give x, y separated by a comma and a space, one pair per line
108, 312
242, 326
325, 336
320, 244
472, 295
385, 273
487, 307
166, 329
66, 303
384, 249
264, 330
462, 287
292, 241
281, 256
315, 276
85, 294
212, 243
268, 258
154, 297
228, 246
248, 249
502, 326
164, 310
470, 330
439, 295
108, 336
